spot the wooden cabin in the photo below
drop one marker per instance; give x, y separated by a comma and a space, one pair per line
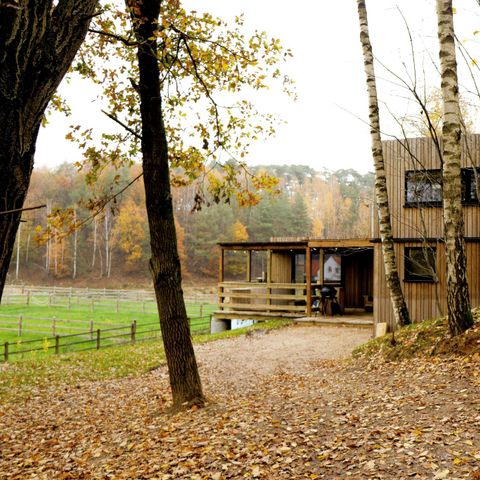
283, 278
414, 177
274, 282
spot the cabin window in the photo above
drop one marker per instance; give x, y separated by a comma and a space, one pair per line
299, 268
423, 187
420, 264
469, 185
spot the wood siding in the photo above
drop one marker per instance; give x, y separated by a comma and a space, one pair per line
281, 267
357, 278
421, 296
419, 154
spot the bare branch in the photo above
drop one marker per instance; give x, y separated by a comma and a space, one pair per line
126, 127
113, 36
16, 210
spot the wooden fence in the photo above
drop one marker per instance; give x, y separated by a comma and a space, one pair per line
96, 294
93, 339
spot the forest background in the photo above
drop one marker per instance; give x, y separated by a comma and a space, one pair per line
112, 249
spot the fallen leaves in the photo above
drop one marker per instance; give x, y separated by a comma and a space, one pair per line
303, 419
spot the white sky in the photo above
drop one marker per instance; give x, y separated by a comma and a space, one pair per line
325, 128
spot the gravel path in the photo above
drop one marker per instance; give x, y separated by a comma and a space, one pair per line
262, 353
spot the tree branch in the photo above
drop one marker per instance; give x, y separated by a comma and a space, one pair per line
113, 36
126, 127
16, 210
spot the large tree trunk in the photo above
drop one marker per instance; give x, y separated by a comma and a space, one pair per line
38, 42
165, 262
458, 300
381, 194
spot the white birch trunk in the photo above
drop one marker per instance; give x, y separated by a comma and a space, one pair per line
47, 245
94, 241
107, 247
27, 249
458, 299
19, 236
75, 238
381, 194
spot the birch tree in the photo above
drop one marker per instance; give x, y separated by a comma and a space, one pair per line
381, 193
458, 299
38, 41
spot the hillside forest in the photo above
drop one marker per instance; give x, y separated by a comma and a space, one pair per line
112, 248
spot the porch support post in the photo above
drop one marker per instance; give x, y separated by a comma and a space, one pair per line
221, 261
308, 268
249, 265
320, 266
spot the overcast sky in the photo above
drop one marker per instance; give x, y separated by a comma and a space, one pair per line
326, 127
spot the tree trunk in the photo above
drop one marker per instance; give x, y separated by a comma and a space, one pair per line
38, 41
19, 237
75, 239
164, 263
94, 241
458, 299
381, 194
107, 243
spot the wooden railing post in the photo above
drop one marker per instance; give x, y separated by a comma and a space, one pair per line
133, 331
57, 344
91, 329
54, 322
5, 351
20, 322
98, 339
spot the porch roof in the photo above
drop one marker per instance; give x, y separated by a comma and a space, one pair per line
286, 244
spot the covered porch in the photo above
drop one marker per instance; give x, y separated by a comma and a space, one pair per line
288, 279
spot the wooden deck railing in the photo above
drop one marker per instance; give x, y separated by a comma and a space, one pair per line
268, 297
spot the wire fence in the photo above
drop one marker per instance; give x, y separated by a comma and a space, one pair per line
94, 339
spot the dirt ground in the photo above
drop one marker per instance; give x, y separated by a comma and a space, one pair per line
249, 359
282, 406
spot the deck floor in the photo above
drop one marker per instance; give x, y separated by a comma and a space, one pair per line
353, 319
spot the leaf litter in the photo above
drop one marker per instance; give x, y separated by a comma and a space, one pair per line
282, 405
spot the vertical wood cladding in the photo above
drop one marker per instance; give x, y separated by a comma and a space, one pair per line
415, 155
424, 299
281, 267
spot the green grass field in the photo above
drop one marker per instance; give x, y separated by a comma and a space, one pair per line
27, 327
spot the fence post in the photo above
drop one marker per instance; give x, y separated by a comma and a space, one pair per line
133, 330
98, 339
57, 344
28, 298
20, 320
91, 329
201, 310
5, 351
54, 321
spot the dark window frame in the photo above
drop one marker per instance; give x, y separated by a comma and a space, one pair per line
469, 195
422, 203
411, 277
468, 191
